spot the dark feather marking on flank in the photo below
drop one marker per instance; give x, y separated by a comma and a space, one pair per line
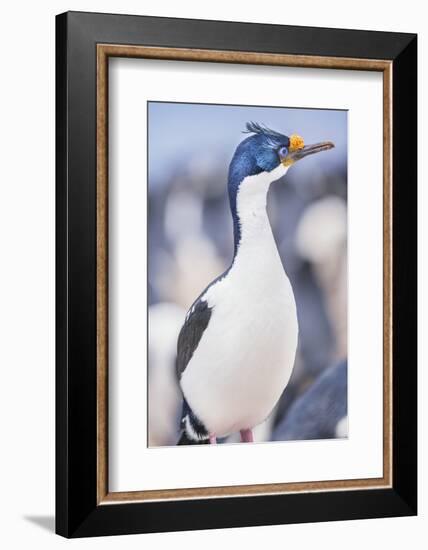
197, 434
186, 440
191, 333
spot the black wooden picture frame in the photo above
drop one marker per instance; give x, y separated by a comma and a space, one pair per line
79, 509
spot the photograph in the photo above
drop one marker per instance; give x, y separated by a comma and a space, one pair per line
247, 273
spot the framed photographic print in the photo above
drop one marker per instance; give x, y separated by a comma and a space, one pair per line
236, 274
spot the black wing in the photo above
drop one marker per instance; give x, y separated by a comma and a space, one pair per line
191, 333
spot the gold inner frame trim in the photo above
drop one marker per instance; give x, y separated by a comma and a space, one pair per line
104, 51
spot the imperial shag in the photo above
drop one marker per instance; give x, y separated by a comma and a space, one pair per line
236, 349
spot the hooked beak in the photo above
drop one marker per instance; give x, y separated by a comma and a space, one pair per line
306, 151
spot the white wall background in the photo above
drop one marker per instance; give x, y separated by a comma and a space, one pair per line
27, 272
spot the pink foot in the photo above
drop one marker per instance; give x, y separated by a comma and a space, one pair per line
247, 436
213, 439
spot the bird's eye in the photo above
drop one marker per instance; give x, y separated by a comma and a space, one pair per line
283, 152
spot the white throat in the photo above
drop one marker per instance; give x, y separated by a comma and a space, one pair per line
251, 207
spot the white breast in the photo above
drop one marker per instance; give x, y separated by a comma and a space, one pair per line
246, 355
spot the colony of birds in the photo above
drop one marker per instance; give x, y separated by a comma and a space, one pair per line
191, 243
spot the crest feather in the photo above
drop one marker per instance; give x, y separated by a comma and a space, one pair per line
256, 128
272, 136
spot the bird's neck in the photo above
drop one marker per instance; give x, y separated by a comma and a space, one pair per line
250, 219
251, 224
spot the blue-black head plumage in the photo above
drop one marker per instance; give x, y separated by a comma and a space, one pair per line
260, 152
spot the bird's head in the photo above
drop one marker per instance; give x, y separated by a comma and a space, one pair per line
263, 157
266, 150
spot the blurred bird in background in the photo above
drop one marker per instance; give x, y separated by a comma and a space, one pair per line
190, 244
165, 320
320, 412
